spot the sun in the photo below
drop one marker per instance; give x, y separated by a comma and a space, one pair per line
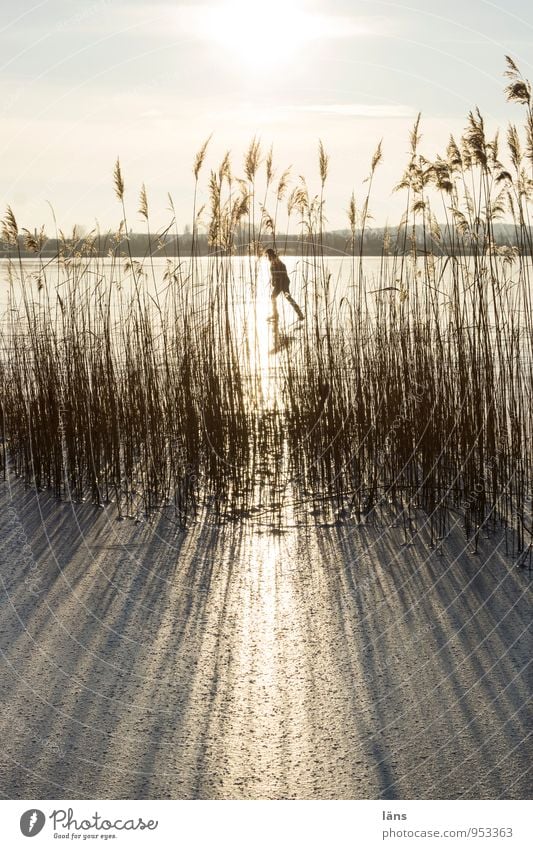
260, 37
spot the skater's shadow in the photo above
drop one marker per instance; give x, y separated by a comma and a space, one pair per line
282, 339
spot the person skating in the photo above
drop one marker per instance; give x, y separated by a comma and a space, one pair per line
279, 285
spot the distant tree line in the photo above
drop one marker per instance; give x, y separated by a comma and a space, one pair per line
374, 242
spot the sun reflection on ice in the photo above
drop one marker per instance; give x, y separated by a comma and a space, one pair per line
261, 338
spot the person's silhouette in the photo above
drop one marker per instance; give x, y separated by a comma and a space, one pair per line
279, 285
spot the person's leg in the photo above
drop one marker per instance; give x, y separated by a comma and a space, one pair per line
274, 315
294, 305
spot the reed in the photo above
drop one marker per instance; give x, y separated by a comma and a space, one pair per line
124, 384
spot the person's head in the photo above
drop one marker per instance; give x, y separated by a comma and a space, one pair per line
271, 254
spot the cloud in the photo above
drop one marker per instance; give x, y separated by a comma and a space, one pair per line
361, 110
248, 114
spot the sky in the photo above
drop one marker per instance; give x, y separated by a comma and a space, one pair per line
84, 82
